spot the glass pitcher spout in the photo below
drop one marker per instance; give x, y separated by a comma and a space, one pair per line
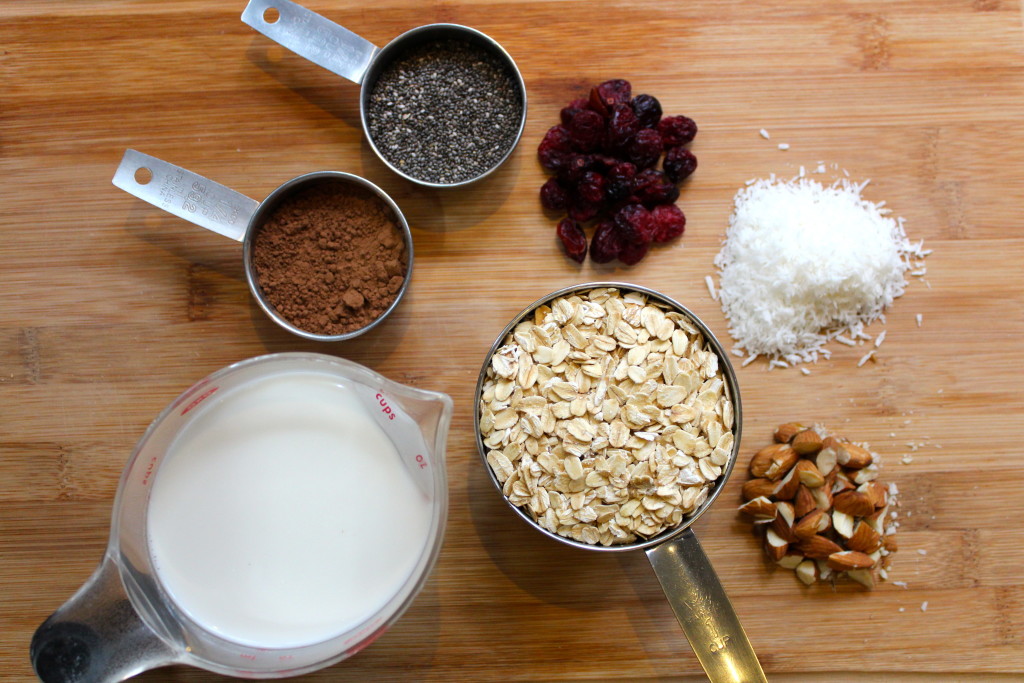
97, 636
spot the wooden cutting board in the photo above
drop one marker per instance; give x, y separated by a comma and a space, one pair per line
110, 308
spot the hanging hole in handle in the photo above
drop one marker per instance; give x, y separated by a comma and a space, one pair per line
143, 176
271, 15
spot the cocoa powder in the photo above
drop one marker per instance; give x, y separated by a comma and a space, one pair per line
330, 258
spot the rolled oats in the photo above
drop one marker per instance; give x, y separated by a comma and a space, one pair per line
606, 417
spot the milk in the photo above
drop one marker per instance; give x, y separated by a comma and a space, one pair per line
282, 514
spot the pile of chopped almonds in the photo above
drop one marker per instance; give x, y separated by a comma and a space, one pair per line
820, 506
605, 416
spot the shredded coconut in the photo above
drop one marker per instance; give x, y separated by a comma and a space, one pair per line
711, 287
803, 264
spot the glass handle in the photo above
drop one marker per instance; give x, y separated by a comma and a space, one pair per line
310, 35
97, 636
704, 611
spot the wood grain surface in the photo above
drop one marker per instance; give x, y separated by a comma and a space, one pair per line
110, 308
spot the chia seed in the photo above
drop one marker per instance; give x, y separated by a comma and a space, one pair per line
445, 112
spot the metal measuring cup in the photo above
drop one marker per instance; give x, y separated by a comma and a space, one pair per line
693, 590
227, 212
341, 51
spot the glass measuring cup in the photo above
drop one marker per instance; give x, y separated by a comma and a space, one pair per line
125, 620
693, 590
227, 212
350, 56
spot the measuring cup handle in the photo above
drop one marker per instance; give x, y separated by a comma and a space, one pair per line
96, 636
310, 35
185, 194
704, 611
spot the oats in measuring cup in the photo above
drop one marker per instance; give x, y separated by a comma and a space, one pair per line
605, 416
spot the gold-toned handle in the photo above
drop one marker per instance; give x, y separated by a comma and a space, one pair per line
704, 611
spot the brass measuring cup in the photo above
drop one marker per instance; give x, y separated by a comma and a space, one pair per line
693, 590
227, 212
346, 54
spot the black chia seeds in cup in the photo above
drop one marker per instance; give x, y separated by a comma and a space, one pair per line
445, 112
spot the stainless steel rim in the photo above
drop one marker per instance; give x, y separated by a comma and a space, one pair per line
728, 374
393, 48
271, 202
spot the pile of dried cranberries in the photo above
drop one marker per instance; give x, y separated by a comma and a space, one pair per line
604, 155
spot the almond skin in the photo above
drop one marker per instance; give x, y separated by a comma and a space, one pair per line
849, 559
853, 456
864, 539
773, 462
809, 474
755, 488
783, 522
784, 433
854, 503
803, 502
818, 547
876, 491
840, 483
774, 546
809, 525
787, 488
760, 509
806, 442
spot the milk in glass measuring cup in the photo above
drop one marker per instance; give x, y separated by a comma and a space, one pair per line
342, 52
274, 519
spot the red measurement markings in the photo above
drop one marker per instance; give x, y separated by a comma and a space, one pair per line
199, 399
149, 471
384, 407
422, 462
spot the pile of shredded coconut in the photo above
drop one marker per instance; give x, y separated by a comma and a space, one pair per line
803, 263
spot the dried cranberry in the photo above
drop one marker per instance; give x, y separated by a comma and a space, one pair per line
677, 130
647, 109
573, 168
680, 163
606, 243
581, 210
587, 131
619, 184
614, 92
596, 103
635, 224
622, 126
631, 254
591, 188
669, 222
652, 187
554, 148
602, 163
573, 108
553, 196
645, 150
573, 239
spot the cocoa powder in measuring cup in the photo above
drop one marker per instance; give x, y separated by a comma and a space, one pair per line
330, 258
